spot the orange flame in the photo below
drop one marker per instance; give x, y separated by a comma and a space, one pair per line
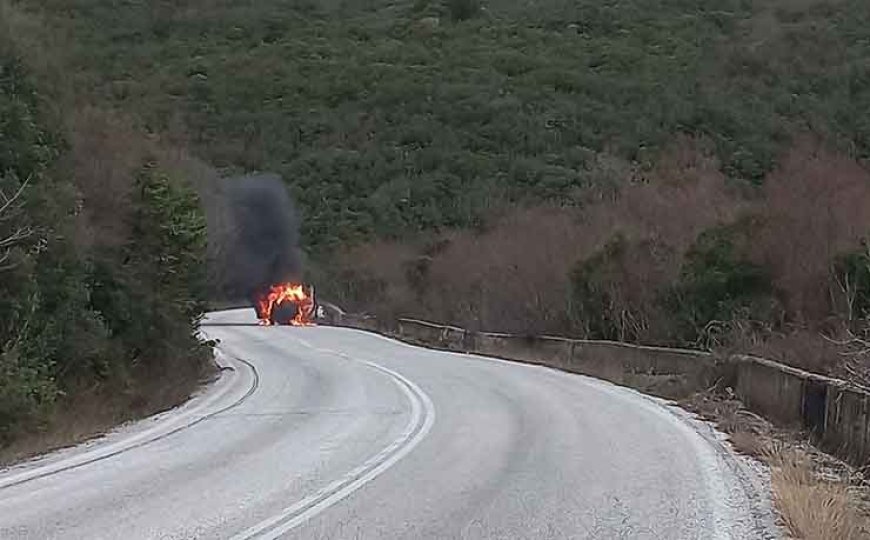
286, 292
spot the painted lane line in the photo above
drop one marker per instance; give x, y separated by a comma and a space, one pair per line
421, 421
163, 429
711, 454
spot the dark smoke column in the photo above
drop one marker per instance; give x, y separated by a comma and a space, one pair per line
256, 237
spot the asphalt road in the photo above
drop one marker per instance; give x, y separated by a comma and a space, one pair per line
335, 433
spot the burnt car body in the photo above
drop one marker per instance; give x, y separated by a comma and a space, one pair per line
275, 306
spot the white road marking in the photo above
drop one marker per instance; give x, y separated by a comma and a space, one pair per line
712, 466
186, 416
421, 421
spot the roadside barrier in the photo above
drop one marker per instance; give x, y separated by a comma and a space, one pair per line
835, 412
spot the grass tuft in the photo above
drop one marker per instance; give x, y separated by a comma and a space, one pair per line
811, 507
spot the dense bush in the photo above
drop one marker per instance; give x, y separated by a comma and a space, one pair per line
461, 10
623, 293
718, 283
33, 254
73, 314
166, 251
384, 127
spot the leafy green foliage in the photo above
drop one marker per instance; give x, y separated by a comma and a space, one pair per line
718, 283
617, 293
171, 226
26, 384
71, 317
153, 290
47, 331
461, 10
386, 126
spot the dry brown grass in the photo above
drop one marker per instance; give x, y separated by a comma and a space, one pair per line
106, 151
817, 496
747, 442
373, 277
811, 507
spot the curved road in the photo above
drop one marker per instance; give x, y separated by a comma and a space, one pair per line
340, 434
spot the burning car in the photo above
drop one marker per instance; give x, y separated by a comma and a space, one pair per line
286, 303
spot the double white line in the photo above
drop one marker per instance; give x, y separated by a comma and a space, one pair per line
419, 424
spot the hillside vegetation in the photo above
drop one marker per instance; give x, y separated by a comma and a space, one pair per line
667, 171
389, 118
100, 283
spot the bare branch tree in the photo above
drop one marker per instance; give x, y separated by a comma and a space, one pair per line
855, 340
847, 286
9, 201
858, 346
7, 205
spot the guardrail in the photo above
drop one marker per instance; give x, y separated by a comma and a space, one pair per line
834, 411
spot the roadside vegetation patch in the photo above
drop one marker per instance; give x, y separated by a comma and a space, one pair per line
101, 275
816, 496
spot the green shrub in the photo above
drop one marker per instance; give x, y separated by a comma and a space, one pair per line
74, 316
152, 299
170, 225
461, 10
26, 392
718, 283
48, 334
26, 349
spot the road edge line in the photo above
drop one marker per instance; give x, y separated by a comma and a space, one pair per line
102, 450
309, 507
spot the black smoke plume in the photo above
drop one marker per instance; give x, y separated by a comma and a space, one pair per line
253, 236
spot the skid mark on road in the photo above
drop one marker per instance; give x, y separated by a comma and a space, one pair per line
421, 421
